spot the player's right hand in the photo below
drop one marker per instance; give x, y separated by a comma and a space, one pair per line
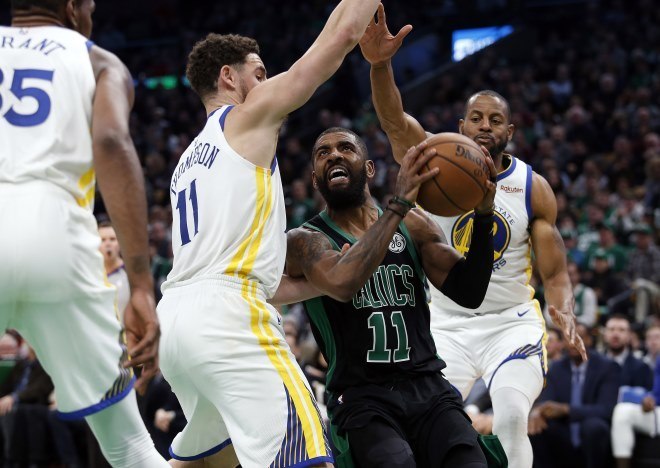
378, 44
409, 179
142, 335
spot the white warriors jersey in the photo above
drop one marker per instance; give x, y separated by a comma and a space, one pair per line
46, 90
512, 266
229, 215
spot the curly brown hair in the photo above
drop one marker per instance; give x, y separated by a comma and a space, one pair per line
51, 5
213, 52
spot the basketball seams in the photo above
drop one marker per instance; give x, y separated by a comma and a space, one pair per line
435, 182
462, 169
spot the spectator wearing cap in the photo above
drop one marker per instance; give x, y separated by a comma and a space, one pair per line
602, 278
616, 254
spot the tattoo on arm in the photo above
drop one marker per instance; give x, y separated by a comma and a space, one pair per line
307, 248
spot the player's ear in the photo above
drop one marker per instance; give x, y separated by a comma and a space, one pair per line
315, 183
227, 78
461, 123
71, 14
371, 168
509, 131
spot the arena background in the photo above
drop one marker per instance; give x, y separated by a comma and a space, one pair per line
582, 79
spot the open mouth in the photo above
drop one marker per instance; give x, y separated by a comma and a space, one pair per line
337, 175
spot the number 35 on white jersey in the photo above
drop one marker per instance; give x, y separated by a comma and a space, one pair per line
46, 90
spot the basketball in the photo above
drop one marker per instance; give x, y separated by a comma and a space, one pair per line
461, 182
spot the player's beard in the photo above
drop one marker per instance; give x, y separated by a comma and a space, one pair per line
498, 147
350, 196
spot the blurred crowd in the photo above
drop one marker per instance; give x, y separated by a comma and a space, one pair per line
585, 101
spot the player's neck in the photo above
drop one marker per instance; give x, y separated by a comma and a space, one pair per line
502, 162
33, 20
355, 220
223, 99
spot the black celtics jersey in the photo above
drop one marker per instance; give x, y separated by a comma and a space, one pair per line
383, 334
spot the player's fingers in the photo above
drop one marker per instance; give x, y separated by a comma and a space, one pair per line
428, 175
381, 13
422, 159
403, 32
147, 344
413, 152
147, 374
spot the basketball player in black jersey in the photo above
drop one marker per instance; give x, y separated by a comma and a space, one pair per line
389, 403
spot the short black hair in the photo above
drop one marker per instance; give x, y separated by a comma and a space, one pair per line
360, 142
51, 5
619, 316
210, 54
491, 93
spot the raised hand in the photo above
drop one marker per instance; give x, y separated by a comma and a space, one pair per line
409, 179
379, 45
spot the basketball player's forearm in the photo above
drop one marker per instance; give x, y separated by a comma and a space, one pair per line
359, 262
389, 109
467, 282
352, 17
120, 180
386, 97
559, 293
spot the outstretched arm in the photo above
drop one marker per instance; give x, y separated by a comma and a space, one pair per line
292, 290
341, 274
378, 47
293, 88
119, 176
551, 262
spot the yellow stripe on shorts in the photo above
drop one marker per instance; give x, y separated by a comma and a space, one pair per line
237, 266
544, 339
279, 357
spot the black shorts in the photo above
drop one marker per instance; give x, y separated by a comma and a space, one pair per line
425, 411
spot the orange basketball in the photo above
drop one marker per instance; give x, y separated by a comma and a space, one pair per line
461, 182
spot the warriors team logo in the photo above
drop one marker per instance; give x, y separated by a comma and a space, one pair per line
398, 243
461, 234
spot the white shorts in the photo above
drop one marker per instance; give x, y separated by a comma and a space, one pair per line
477, 346
223, 352
54, 291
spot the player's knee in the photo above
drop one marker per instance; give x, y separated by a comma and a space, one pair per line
395, 453
513, 417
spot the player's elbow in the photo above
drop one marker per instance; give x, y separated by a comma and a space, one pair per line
348, 36
110, 141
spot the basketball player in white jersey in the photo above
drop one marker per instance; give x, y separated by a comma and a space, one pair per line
223, 348
503, 340
64, 106
114, 266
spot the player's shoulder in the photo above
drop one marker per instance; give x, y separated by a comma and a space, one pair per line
543, 197
304, 239
103, 60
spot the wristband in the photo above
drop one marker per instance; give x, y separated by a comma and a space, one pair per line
402, 201
403, 215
